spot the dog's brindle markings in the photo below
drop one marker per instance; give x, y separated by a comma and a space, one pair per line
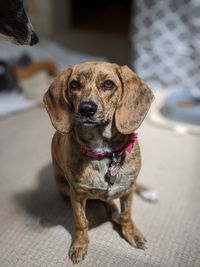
14, 23
122, 101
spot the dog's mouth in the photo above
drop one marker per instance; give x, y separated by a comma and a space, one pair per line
24, 36
30, 38
86, 121
89, 122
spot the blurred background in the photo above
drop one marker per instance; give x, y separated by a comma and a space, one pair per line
98, 28
160, 41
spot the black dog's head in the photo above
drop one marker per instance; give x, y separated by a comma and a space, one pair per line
15, 24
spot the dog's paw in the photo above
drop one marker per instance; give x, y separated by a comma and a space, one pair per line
134, 237
77, 252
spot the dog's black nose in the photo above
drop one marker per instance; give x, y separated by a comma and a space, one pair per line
34, 38
87, 109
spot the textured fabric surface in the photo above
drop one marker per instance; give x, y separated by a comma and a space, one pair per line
166, 43
36, 224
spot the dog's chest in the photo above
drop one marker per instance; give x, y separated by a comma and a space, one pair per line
95, 181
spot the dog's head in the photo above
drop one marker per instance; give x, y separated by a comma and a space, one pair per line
14, 23
93, 93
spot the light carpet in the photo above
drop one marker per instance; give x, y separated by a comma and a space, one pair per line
36, 224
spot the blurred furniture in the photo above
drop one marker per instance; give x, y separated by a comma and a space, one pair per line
166, 43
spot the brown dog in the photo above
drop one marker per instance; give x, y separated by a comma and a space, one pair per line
95, 108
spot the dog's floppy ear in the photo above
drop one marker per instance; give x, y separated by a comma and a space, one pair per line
135, 102
57, 104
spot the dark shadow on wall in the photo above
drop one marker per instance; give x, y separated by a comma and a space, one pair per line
45, 202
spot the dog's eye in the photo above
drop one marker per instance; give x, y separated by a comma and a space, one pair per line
108, 85
75, 85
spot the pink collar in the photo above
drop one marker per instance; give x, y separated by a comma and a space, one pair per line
133, 138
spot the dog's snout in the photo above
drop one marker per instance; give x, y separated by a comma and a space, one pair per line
34, 38
87, 109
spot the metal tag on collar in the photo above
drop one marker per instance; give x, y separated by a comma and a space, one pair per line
113, 169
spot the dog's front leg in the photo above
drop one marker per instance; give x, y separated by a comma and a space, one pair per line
129, 231
80, 241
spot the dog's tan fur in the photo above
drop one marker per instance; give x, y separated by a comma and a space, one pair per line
120, 112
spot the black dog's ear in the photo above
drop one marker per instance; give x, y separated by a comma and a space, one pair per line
135, 103
57, 104
17, 2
